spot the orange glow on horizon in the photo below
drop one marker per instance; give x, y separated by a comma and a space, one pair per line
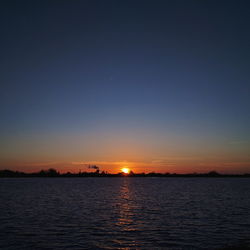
175, 165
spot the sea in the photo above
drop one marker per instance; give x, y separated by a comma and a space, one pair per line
124, 213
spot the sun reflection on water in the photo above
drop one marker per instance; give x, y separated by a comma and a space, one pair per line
126, 222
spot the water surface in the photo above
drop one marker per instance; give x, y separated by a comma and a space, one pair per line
124, 213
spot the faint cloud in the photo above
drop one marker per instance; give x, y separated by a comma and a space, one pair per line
78, 163
40, 164
238, 142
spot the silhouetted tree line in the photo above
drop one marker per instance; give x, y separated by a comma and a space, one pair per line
97, 173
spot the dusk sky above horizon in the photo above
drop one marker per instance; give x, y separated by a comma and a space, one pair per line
158, 86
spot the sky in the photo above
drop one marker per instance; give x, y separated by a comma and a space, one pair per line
157, 86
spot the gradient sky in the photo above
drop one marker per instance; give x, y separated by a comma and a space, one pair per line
154, 85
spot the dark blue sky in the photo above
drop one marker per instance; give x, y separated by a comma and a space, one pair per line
125, 70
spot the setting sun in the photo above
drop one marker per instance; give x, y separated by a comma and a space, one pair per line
125, 170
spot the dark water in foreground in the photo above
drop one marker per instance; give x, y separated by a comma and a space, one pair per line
124, 213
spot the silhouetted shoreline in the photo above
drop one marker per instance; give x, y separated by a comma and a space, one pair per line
54, 173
